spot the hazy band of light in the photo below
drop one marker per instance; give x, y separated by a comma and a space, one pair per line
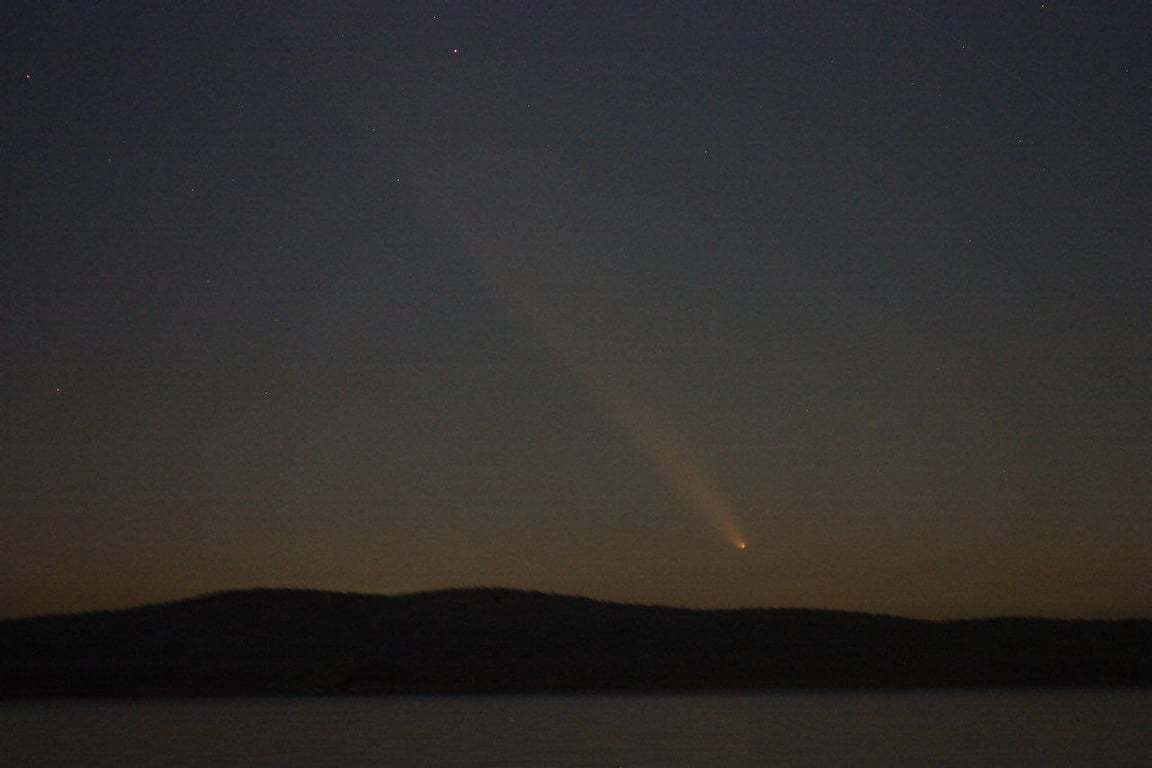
647, 430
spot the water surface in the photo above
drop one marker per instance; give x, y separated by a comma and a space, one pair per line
1017, 728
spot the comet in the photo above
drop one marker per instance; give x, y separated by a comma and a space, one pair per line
539, 294
651, 433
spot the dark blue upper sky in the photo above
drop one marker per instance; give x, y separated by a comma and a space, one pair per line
578, 297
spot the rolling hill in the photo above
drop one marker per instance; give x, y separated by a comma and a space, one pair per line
301, 642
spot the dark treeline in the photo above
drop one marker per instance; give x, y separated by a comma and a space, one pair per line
280, 642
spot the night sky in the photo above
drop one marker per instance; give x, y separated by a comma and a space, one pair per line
837, 305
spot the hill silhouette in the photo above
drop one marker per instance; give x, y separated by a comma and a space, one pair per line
301, 642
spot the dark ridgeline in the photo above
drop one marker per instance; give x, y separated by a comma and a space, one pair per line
273, 642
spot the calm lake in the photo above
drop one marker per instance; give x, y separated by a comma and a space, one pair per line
1017, 728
